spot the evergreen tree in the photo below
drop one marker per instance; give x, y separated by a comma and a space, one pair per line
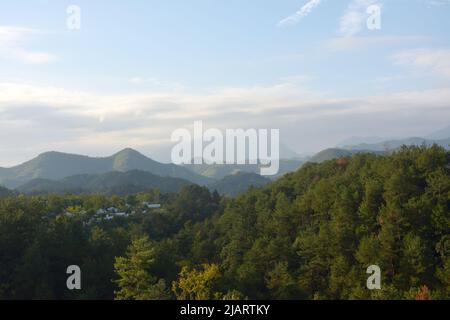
134, 279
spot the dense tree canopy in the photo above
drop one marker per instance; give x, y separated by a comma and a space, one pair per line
309, 235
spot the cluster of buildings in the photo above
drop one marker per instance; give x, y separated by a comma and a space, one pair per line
113, 212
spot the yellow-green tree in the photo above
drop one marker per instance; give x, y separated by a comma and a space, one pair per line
135, 281
197, 284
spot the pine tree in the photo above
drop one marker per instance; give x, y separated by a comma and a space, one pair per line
135, 281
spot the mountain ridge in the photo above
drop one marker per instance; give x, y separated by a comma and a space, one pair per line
391, 145
55, 165
114, 182
239, 182
443, 133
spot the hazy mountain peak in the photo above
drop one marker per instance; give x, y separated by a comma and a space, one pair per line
360, 140
128, 152
48, 154
128, 159
57, 165
440, 134
287, 153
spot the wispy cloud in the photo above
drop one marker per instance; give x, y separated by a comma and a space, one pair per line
299, 15
354, 17
13, 45
40, 118
431, 60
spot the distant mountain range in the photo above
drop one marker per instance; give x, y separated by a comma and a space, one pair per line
440, 134
352, 141
381, 148
336, 153
129, 171
119, 183
124, 183
289, 161
220, 171
240, 182
125, 172
57, 165
5, 192
392, 145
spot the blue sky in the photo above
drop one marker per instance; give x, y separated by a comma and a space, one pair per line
137, 70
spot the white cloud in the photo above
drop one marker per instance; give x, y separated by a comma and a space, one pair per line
13, 45
303, 12
354, 17
38, 118
431, 60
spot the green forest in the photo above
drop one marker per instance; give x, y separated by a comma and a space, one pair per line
311, 234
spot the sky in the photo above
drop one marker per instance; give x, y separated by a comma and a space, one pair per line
135, 71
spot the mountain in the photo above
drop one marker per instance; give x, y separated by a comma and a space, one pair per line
220, 171
240, 182
124, 183
381, 148
329, 154
120, 183
290, 165
392, 145
336, 153
359, 140
57, 165
6, 192
440, 134
287, 153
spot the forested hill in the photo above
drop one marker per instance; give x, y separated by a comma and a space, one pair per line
111, 183
314, 232
310, 235
238, 183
